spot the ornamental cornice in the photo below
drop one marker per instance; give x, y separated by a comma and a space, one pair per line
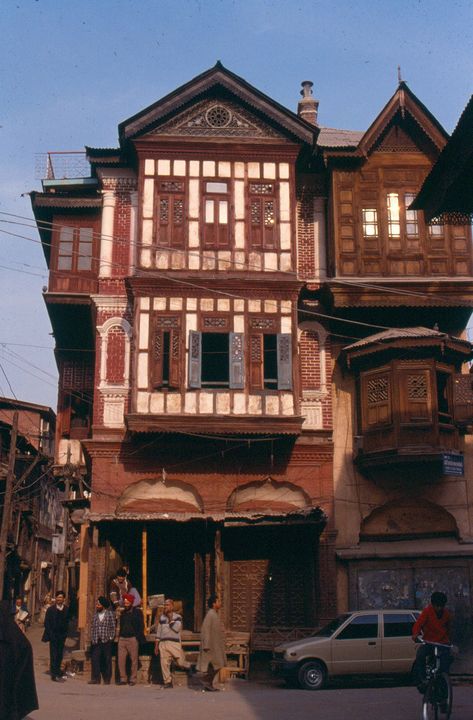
111, 302
260, 285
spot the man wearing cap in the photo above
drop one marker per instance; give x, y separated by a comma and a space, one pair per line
130, 635
168, 642
102, 634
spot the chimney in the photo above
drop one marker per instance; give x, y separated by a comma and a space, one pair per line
308, 107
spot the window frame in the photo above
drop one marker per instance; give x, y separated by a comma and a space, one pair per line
176, 232
262, 238
222, 232
159, 330
76, 226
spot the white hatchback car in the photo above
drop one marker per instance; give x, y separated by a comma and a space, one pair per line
366, 642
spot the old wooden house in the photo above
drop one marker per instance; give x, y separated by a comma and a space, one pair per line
258, 345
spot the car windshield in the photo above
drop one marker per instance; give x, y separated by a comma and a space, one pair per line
333, 625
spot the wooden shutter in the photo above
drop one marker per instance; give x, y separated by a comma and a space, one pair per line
171, 214
237, 371
463, 398
175, 358
195, 359
284, 361
157, 358
376, 398
415, 394
256, 362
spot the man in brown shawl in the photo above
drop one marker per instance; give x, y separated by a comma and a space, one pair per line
17, 684
212, 644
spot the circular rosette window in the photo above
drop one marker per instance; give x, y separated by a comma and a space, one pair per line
218, 116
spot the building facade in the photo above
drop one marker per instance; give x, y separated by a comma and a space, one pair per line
36, 513
217, 288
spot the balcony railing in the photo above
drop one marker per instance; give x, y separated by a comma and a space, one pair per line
62, 165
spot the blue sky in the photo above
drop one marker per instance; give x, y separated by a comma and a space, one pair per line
71, 71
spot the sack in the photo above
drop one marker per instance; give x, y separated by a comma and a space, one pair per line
45, 637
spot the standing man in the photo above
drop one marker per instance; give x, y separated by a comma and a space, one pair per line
56, 623
102, 634
168, 642
212, 644
17, 683
130, 635
433, 625
21, 614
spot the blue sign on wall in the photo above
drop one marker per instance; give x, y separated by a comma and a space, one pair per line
453, 464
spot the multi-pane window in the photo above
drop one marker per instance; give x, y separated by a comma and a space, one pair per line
394, 219
370, 222
263, 214
412, 224
170, 231
216, 213
75, 249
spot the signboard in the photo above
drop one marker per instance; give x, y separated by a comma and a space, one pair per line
453, 464
58, 544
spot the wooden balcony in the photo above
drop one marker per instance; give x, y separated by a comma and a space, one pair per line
77, 284
400, 442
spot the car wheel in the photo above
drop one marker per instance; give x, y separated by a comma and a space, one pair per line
312, 675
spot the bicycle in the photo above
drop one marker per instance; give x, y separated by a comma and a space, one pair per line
438, 695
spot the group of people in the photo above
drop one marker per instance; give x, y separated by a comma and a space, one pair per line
122, 619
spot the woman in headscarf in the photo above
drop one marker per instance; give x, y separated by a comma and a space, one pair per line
17, 684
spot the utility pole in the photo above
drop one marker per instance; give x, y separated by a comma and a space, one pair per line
7, 503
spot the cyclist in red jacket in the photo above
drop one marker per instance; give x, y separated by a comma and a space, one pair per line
433, 625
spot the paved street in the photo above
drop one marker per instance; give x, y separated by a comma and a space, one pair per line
75, 700
238, 700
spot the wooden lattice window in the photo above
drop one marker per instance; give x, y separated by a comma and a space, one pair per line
376, 400
270, 361
171, 215
263, 215
165, 352
415, 394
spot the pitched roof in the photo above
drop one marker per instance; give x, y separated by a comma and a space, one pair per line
409, 333
443, 189
217, 77
334, 138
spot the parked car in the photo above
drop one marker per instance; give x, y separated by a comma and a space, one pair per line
366, 642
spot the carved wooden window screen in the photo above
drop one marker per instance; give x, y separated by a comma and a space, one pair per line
270, 361
376, 401
170, 226
165, 354
262, 215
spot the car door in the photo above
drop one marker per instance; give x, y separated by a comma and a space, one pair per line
398, 651
356, 648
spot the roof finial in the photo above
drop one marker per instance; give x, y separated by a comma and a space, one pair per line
399, 76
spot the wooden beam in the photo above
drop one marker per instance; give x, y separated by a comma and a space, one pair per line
84, 575
144, 560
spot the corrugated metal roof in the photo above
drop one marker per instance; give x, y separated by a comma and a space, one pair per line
309, 515
402, 333
334, 138
67, 202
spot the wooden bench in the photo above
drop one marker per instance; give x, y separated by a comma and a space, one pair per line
237, 649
